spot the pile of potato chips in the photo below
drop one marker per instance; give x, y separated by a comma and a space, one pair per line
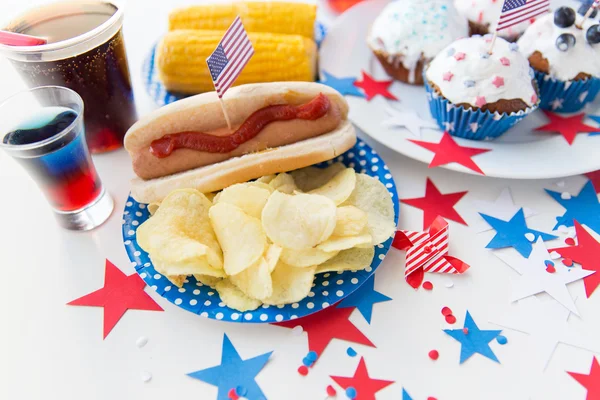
262, 242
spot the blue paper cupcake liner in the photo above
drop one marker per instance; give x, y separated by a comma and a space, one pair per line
566, 96
468, 123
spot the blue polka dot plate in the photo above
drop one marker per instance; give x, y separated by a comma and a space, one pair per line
328, 288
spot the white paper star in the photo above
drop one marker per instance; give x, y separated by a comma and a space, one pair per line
556, 103
408, 119
583, 96
502, 208
535, 279
449, 126
474, 127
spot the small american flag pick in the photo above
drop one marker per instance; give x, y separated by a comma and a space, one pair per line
516, 11
427, 252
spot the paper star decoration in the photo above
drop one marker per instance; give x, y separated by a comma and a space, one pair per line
372, 88
569, 127
405, 395
594, 177
364, 298
365, 386
343, 85
584, 208
435, 203
331, 323
512, 233
409, 120
590, 381
502, 208
535, 279
586, 253
448, 151
119, 294
474, 340
234, 372
427, 252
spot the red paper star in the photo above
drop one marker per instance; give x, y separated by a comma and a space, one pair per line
120, 293
595, 178
435, 203
373, 87
331, 323
569, 127
591, 381
447, 151
365, 386
586, 253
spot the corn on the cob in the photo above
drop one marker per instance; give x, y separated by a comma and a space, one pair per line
273, 17
181, 59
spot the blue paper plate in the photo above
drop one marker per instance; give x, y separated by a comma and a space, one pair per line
159, 93
328, 288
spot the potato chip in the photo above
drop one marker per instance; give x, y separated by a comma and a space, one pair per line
240, 235
250, 199
372, 197
339, 188
288, 188
254, 282
290, 284
337, 243
185, 267
272, 256
207, 280
177, 280
265, 179
300, 221
234, 298
211, 196
261, 185
153, 207
348, 260
310, 178
350, 221
306, 257
284, 183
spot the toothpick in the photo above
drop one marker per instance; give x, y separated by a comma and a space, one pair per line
586, 16
225, 113
493, 42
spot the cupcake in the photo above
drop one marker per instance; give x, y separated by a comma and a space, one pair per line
483, 16
408, 33
566, 58
477, 95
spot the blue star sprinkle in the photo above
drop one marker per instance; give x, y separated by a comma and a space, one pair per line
596, 119
513, 47
451, 52
343, 85
485, 56
405, 395
584, 208
512, 233
234, 373
364, 298
474, 340
469, 83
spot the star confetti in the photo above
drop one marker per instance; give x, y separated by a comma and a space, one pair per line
584, 208
513, 233
372, 88
233, 372
331, 323
590, 381
405, 395
448, 151
409, 120
119, 294
569, 127
435, 203
594, 177
502, 208
343, 85
362, 383
586, 253
474, 340
536, 278
364, 298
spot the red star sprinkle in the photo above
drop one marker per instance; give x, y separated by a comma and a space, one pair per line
590, 381
498, 81
435, 203
448, 151
365, 386
534, 98
448, 76
569, 127
586, 253
480, 101
595, 178
505, 61
331, 323
459, 56
373, 88
119, 294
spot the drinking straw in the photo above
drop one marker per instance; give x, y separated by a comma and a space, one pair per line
18, 39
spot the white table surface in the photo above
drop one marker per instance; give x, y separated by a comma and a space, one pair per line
49, 350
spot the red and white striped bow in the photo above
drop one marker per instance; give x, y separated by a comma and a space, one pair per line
427, 252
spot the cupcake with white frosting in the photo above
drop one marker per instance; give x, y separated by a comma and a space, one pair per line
483, 17
477, 95
408, 33
565, 54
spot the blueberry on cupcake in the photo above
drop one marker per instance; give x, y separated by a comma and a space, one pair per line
483, 16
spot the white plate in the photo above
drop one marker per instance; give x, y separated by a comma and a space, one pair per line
520, 153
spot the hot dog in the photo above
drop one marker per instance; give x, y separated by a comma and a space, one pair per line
276, 127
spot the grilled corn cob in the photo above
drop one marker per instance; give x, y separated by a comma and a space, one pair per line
273, 17
181, 59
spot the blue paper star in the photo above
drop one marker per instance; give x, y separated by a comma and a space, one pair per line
234, 372
595, 118
474, 340
512, 233
584, 208
364, 298
342, 85
405, 395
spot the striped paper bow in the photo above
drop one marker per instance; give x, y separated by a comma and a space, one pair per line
427, 252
